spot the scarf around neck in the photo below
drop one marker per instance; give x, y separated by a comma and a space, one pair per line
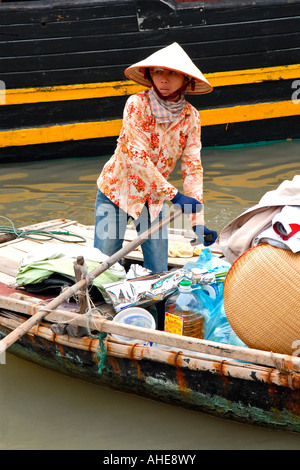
165, 111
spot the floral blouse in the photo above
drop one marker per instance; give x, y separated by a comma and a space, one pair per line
145, 156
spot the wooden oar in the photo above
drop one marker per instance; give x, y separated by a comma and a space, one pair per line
70, 291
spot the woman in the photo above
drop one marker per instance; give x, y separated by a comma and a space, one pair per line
159, 127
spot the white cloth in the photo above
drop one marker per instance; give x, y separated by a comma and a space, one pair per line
284, 232
240, 233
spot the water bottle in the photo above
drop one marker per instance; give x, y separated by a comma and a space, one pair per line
183, 312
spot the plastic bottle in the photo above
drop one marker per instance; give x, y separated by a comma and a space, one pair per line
183, 312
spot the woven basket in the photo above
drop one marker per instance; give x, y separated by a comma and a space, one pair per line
262, 299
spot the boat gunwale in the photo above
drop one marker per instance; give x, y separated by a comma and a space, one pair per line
283, 363
180, 359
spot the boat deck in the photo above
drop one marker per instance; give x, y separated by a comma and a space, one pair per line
12, 252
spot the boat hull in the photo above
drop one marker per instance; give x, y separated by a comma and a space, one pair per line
250, 402
62, 83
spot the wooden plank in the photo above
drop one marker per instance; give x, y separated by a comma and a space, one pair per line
47, 224
111, 41
55, 224
88, 58
17, 244
64, 10
8, 266
18, 247
82, 230
252, 11
6, 279
15, 252
79, 27
157, 14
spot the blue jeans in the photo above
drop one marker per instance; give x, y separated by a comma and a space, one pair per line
110, 226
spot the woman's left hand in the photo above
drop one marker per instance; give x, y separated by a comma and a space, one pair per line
206, 237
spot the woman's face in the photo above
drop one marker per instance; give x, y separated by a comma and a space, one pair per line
167, 81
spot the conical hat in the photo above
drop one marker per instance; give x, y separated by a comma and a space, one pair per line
262, 298
172, 57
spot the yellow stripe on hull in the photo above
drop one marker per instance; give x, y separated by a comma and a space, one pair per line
71, 92
243, 77
101, 90
94, 130
251, 112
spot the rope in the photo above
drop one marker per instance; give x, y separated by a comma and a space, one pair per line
41, 235
101, 350
94, 312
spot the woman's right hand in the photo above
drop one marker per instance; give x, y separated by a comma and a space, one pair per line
188, 204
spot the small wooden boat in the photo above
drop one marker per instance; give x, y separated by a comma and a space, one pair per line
62, 83
231, 382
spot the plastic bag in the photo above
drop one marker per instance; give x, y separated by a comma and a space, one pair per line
209, 272
209, 291
142, 290
218, 328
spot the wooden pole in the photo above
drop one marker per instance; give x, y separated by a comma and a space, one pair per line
12, 337
80, 270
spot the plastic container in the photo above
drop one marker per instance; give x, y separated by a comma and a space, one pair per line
134, 316
183, 314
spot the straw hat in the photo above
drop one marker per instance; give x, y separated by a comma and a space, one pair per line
172, 57
262, 299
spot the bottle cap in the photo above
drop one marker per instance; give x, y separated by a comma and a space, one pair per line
185, 282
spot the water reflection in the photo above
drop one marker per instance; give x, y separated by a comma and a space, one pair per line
236, 178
